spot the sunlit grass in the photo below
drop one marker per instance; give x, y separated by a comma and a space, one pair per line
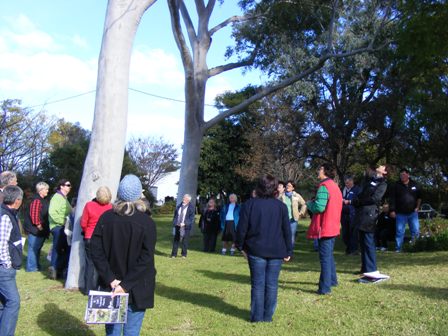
209, 294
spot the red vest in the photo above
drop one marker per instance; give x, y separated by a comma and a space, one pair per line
327, 223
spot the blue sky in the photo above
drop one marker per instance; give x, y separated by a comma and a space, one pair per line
49, 51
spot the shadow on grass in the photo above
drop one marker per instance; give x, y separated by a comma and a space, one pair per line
431, 292
55, 321
203, 300
240, 278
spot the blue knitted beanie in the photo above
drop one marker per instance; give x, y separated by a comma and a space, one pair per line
130, 188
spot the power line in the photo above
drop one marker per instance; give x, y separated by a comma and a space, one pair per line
63, 99
130, 89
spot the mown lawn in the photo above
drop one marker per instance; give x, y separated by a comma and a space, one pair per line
209, 294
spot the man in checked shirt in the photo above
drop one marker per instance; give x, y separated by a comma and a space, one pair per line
10, 259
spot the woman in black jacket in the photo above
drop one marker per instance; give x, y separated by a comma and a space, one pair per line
210, 225
264, 237
122, 250
367, 205
37, 227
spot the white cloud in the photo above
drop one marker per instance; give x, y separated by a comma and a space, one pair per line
79, 41
44, 72
155, 66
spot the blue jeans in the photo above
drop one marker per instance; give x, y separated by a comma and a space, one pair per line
328, 276
131, 327
35, 244
10, 299
414, 227
368, 251
264, 275
293, 232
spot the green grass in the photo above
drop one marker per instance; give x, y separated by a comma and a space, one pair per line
209, 294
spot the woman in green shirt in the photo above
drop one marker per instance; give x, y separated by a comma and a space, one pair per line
57, 213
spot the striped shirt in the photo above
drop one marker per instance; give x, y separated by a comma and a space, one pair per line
5, 234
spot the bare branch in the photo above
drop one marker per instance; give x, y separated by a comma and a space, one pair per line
226, 67
178, 35
188, 23
230, 20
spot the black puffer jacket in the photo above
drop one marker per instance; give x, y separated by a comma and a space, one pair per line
367, 203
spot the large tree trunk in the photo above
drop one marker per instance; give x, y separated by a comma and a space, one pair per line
105, 156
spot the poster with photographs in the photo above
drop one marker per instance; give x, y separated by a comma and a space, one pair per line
103, 308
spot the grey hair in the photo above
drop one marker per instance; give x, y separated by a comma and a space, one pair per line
41, 186
187, 196
12, 193
6, 177
124, 208
234, 195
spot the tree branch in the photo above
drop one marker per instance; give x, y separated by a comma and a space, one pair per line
232, 19
188, 23
282, 84
178, 35
226, 67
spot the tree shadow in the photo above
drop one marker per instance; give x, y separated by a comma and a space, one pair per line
430, 292
240, 278
55, 321
200, 299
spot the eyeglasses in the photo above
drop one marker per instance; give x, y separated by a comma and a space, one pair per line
68, 185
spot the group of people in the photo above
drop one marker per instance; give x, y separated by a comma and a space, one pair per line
266, 226
119, 239
213, 220
403, 202
119, 242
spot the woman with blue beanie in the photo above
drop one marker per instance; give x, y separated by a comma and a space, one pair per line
122, 250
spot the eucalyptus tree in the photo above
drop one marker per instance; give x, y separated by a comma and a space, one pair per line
107, 144
313, 30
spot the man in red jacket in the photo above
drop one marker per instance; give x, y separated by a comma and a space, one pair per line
325, 225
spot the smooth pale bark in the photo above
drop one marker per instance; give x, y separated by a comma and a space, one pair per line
105, 156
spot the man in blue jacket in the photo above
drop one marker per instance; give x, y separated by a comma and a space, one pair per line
349, 229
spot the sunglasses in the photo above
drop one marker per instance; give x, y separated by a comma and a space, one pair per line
68, 185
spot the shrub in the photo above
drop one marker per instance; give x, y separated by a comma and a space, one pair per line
433, 236
166, 209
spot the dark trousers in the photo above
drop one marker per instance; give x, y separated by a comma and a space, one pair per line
209, 240
349, 232
181, 239
90, 273
61, 251
368, 252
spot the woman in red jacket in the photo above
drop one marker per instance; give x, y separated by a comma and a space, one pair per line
90, 215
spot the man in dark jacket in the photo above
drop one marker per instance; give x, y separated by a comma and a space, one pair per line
349, 229
405, 201
367, 210
183, 220
10, 259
